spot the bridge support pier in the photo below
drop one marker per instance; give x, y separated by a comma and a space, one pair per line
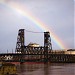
47, 45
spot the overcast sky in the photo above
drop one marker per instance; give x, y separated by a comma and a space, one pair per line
56, 14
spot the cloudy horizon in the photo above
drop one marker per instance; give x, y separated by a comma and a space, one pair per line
58, 15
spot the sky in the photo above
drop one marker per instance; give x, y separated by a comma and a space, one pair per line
57, 15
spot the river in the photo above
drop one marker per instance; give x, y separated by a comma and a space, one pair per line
46, 69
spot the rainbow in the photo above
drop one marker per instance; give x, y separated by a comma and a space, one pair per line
16, 7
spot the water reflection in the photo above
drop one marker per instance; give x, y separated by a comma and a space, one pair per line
46, 69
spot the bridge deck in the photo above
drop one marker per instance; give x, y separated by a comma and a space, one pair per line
14, 57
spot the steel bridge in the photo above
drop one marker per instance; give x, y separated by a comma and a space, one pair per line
36, 54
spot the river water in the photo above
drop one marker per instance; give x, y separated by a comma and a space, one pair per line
46, 69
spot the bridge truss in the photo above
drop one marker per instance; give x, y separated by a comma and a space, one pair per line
38, 54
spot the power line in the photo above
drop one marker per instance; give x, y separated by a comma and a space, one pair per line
33, 31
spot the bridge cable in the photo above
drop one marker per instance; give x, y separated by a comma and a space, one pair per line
33, 31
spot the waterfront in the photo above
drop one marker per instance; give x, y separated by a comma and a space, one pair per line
46, 69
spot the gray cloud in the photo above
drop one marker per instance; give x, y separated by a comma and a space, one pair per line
56, 14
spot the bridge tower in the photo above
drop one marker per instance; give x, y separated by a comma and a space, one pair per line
20, 42
47, 45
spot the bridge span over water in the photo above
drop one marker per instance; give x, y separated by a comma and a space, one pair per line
37, 54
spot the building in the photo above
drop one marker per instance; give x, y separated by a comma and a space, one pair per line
33, 45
